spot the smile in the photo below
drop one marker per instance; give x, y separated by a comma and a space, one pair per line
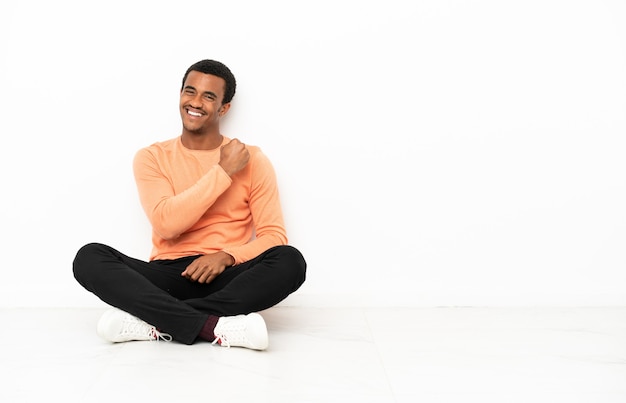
194, 114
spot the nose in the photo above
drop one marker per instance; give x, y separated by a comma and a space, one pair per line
196, 101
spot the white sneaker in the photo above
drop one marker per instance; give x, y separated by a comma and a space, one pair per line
118, 326
242, 331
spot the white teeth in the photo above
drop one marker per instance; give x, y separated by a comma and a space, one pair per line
194, 114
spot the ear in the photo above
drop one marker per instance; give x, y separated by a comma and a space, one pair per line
224, 109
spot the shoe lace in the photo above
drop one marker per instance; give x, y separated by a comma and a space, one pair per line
230, 333
135, 326
158, 336
221, 339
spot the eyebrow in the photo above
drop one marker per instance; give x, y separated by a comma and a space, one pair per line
209, 93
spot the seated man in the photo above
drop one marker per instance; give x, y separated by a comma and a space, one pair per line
220, 252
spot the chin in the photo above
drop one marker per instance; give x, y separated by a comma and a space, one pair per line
192, 128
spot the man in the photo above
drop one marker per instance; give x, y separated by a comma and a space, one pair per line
220, 252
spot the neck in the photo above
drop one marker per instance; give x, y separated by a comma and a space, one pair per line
194, 141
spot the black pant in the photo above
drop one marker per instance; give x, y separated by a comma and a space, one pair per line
157, 293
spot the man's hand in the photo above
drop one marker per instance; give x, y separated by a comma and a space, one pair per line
233, 157
205, 268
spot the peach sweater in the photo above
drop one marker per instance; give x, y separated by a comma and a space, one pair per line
196, 208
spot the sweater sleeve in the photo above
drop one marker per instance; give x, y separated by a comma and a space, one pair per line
266, 212
172, 214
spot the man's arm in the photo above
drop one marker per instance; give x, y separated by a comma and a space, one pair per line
172, 214
266, 212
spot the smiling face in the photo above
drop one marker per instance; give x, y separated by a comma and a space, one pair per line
201, 103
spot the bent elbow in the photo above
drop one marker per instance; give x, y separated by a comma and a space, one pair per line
167, 236
166, 232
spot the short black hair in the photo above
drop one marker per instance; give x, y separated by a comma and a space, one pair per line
218, 69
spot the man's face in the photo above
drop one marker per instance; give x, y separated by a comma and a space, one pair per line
201, 102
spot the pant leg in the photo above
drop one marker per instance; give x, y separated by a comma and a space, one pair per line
255, 285
140, 288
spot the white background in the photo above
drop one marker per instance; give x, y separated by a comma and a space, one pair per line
428, 152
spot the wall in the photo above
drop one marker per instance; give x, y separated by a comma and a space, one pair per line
429, 153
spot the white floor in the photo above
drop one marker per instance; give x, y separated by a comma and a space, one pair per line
329, 355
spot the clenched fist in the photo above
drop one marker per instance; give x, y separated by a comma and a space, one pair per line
233, 157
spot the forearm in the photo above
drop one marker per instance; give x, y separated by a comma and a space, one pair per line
256, 247
172, 213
